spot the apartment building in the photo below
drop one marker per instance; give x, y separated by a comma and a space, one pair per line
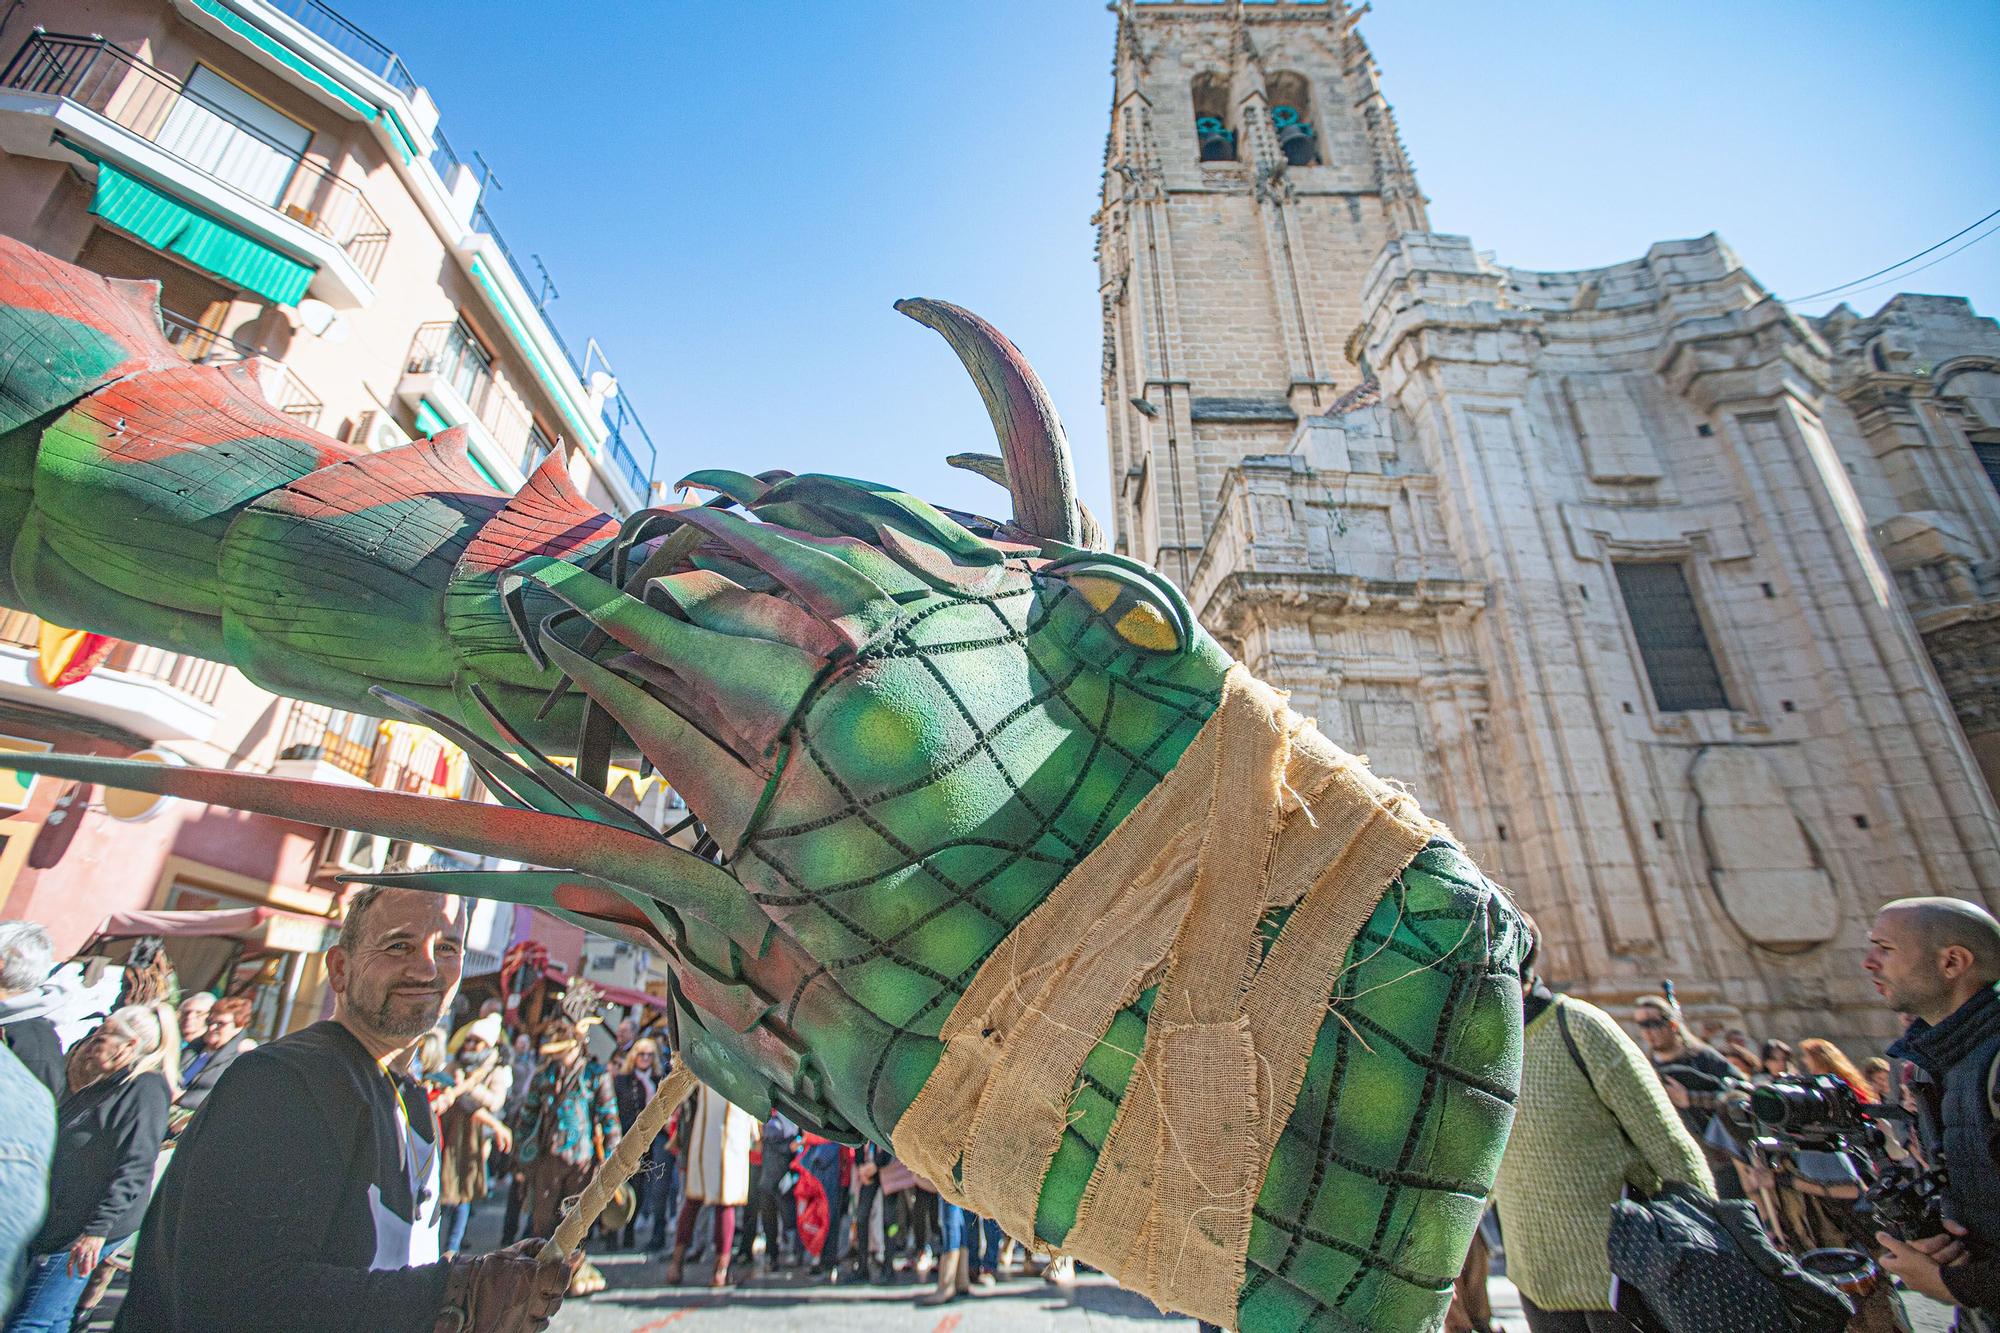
283, 177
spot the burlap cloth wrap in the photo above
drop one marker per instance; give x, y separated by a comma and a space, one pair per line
1261, 812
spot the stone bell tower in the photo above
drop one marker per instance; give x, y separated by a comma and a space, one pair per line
1253, 174
1630, 572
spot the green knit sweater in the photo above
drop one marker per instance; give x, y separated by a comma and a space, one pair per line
1567, 1161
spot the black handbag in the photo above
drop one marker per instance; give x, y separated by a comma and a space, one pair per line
1703, 1265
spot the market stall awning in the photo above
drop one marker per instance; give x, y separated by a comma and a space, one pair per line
257, 927
165, 223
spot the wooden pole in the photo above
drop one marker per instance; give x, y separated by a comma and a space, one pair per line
618, 1168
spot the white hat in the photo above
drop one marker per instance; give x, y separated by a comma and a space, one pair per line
487, 1029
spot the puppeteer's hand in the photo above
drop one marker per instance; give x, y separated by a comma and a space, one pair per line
507, 1291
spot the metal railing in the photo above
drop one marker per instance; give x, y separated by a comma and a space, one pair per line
314, 731
632, 448
282, 388
446, 350
198, 678
482, 221
289, 394
200, 343
109, 80
337, 31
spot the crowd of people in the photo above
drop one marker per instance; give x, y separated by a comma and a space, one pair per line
339, 1167
1602, 1118
344, 1162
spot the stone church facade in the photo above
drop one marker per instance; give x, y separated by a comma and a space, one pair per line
1683, 610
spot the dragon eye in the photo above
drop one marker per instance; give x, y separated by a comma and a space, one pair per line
1137, 612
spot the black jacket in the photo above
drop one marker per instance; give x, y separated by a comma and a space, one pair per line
33, 1042
195, 1090
267, 1217
107, 1138
1954, 1059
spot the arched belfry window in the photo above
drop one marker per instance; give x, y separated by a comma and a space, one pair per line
1290, 97
1215, 141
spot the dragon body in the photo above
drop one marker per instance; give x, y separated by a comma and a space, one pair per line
899, 728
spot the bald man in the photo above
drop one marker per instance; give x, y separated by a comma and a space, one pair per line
1939, 959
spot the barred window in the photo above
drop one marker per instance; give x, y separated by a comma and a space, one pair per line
1989, 458
1672, 643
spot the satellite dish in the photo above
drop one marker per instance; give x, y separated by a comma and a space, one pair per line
602, 384
316, 316
337, 330
135, 806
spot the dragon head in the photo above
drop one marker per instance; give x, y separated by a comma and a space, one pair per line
897, 729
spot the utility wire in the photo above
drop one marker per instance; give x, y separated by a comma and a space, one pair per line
1811, 296
1891, 282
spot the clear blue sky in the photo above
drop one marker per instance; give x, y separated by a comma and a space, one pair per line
731, 196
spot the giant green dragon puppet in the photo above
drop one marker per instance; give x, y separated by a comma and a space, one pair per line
998, 858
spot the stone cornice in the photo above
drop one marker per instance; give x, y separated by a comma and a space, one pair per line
1237, 595
1755, 353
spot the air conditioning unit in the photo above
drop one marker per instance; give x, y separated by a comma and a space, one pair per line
376, 431
354, 853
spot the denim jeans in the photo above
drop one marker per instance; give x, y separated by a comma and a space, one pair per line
49, 1297
987, 1238
952, 1229
452, 1218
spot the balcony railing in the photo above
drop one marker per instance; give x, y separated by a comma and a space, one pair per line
632, 447
282, 388
345, 740
393, 756
336, 31
195, 677
444, 349
111, 81
201, 344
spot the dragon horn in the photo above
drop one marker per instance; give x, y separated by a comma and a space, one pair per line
1039, 473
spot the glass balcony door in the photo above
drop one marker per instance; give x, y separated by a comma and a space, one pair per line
234, 136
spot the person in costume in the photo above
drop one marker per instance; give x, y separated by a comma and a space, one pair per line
471, 1097
569, 1121
304, 1197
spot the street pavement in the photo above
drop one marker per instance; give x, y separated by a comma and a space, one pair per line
638, 1301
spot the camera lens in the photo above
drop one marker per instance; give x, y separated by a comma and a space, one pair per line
1782, 1105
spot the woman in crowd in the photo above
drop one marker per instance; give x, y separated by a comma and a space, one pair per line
1820, 1056
1776, 1061
122, 1078
636, 1075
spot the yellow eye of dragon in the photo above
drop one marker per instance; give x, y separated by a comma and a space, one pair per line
1132, 609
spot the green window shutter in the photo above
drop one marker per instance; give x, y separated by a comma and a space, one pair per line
165, 223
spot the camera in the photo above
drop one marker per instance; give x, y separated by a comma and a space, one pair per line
1821, 1113
1813, 1111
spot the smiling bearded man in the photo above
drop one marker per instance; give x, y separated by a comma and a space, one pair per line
304, 1194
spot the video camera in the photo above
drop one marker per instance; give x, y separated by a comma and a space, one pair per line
1821, 1113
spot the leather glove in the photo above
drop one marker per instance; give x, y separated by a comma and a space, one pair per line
507, 1291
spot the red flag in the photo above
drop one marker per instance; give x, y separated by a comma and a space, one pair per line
65, 656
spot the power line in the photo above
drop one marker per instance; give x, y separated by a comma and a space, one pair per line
1891, 282
1812, 296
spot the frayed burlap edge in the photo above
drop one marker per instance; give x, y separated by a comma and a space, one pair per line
1260, 812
